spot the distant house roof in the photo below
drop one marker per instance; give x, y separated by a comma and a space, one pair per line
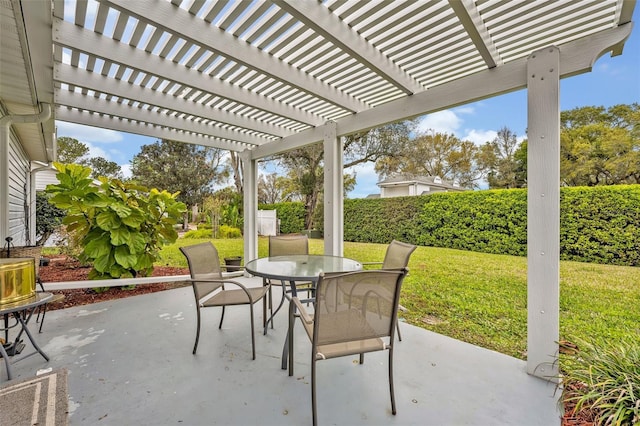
426, 180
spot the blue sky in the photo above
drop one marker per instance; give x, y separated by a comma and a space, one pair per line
612, 81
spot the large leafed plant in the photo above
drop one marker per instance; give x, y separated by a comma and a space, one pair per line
120, 226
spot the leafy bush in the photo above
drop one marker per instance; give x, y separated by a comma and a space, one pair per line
199, 233
290, 214
205, 226
48, 218
121, 227
605, 379
229, 232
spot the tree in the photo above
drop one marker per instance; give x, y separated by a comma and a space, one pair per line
121, 226
600, 146
49, 218
72, 151
498, 159
304, 166
435, 154
179, 167
238, 173
102, 167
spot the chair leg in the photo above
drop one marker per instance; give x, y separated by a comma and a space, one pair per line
393, 396
43, 310
253, 334
361, 359
195, 346
290, 337
314, 409
221, 318
398, 330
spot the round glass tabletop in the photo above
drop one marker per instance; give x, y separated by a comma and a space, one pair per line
300, 267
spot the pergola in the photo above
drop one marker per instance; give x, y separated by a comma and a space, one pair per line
263, 77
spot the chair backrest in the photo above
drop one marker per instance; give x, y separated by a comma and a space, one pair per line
203, 263
398, 254
283, 245
356, 305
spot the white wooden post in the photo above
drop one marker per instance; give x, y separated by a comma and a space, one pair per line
333, 191
250, 203
543, 212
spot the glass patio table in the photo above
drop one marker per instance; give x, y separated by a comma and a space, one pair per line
297, 268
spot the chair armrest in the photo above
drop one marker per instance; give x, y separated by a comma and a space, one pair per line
365, 264
303, 313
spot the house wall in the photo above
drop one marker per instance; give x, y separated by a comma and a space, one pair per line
394, 191
44, 178
19, 189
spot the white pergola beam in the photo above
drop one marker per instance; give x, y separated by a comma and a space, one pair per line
543, 213
77, 38
334, 191
110, 86
102, 106
473, 24
319, 18
122, 125
174, 20
575, 58
250, 205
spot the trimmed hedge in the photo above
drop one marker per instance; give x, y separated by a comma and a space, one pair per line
597, 224
291, 215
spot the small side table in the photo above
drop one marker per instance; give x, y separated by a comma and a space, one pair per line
22, 311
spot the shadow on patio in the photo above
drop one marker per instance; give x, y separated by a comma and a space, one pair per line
130, 362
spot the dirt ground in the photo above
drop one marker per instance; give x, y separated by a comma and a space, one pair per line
64, 269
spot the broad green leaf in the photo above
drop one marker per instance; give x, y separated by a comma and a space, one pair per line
120, 236
136, 242
121, 209
125, 258
98, 247
134, 219
108, 220
104, 262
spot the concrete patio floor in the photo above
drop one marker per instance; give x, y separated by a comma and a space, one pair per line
130, 363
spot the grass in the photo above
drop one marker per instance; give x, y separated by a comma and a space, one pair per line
482, 298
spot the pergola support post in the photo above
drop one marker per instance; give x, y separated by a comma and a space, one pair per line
250, 204
543, 213
333, 191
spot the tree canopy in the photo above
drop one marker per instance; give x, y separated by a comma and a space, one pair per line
175, 166
72, 151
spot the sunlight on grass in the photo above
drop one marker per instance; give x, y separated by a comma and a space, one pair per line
482, 298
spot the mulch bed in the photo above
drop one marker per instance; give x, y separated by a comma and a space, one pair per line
62, 268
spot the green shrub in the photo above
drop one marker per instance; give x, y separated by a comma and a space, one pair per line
226, 231
605, 378
120, 226
199, 233
290, 214
205, 226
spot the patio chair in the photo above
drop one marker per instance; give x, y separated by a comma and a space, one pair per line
285, 245
397, 256
354, 313
211, 289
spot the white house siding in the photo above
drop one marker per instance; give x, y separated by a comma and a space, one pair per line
44, 178
394, 191
19, 201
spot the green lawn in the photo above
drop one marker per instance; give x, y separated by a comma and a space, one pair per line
482, 298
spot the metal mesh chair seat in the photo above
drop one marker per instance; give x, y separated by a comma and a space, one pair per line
235, 297
354, 313
210, 291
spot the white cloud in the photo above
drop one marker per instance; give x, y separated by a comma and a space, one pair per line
95, 151
479, 137
87, 134
126, 170
366, 179
445, 121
